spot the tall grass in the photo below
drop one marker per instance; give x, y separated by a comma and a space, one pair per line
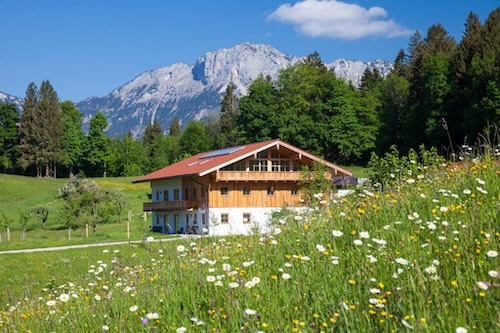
420, 256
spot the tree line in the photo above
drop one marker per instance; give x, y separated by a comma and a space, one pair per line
441, 93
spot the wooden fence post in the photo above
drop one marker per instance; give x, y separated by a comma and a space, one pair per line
128, 224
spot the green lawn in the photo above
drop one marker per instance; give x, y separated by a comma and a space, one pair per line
359, 171
27, 273
20, 194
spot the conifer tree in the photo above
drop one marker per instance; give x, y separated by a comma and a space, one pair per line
52, 128
9, 138
154, 145
29, 152
401, 64
228, 117
371, 77
41, 128
175, 128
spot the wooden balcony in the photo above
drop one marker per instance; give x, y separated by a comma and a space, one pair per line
170, 205
252, 176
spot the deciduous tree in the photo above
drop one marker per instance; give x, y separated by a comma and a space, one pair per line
72, 138
97, 154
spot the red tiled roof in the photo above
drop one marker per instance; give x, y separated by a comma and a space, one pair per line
204, 163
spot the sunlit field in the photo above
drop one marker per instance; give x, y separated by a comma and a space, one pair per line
21, 194
421, 255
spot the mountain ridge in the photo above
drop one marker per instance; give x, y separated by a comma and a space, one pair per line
194, 92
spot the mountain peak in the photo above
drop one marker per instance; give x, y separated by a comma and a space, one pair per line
190, 92
194, 92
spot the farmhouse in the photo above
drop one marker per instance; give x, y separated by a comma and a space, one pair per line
229, 191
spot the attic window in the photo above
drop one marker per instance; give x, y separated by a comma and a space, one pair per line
238, 166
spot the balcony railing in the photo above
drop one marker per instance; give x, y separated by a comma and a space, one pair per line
257, 176
170, 205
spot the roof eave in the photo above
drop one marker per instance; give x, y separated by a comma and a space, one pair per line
163, 178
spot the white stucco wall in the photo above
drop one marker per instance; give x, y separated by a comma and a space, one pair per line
259, 220
157, 188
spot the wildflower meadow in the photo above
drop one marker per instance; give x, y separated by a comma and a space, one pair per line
419, 253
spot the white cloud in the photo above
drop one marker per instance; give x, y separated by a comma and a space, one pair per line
336, 19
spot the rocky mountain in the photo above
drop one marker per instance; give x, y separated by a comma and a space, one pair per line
190, 92
184, 91
11, 99
352, 70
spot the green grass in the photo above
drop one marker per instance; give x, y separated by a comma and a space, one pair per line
357, 170
420, 257
20, 194
26, 273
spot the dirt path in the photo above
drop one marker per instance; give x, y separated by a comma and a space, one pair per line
58, 248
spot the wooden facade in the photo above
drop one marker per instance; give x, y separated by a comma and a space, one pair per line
230, 190
254, 194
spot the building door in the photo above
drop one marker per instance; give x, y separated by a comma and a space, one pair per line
176, 224
165, 224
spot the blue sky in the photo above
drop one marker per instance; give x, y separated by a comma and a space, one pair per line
89, 47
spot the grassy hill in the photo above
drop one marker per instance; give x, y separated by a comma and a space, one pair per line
20, 194
421, 255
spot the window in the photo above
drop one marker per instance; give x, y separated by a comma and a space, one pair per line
194, 193
294, 191
157, 195
238, 166
165, 195
176, 194
247, 218
276, 154
270, 190
258, 165
262, 154
186, 194
246, 190
224, 218
224, 191
203, 219
195, 219
280, 165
